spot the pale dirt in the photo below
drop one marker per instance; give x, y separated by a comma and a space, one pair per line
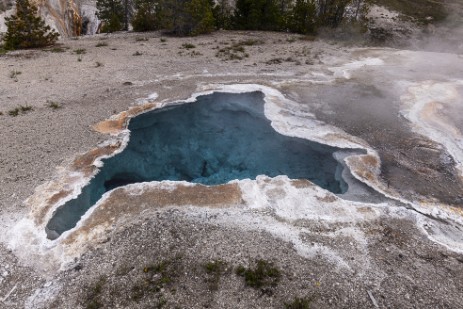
405, 268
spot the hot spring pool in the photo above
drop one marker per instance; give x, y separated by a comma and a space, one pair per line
218, 138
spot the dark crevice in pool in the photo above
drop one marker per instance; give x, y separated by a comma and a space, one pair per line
219, 138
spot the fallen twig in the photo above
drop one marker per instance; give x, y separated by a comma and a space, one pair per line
372, 298
9, 293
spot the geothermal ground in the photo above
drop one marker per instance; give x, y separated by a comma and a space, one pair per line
393, 240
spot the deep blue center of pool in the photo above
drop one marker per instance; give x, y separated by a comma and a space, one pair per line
219, 138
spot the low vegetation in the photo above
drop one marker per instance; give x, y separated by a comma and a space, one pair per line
299, 303
14, 112
173, 276
237, 50
25, 108
281, 60
80, 51
188, 46
14, 75
22, 109
93, 297
54, 105
57, 50
101, 44
214, 270
250, 42
157, 277
263, 275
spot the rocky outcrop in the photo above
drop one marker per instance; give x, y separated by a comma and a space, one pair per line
68, 17
386, 27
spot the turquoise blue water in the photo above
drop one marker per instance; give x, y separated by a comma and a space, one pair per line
219, 138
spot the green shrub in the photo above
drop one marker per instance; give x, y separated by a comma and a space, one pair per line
25, 108
80, 51
188, 45
237, 51
54, 105
14, 112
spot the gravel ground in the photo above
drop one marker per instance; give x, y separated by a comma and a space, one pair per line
408, 272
